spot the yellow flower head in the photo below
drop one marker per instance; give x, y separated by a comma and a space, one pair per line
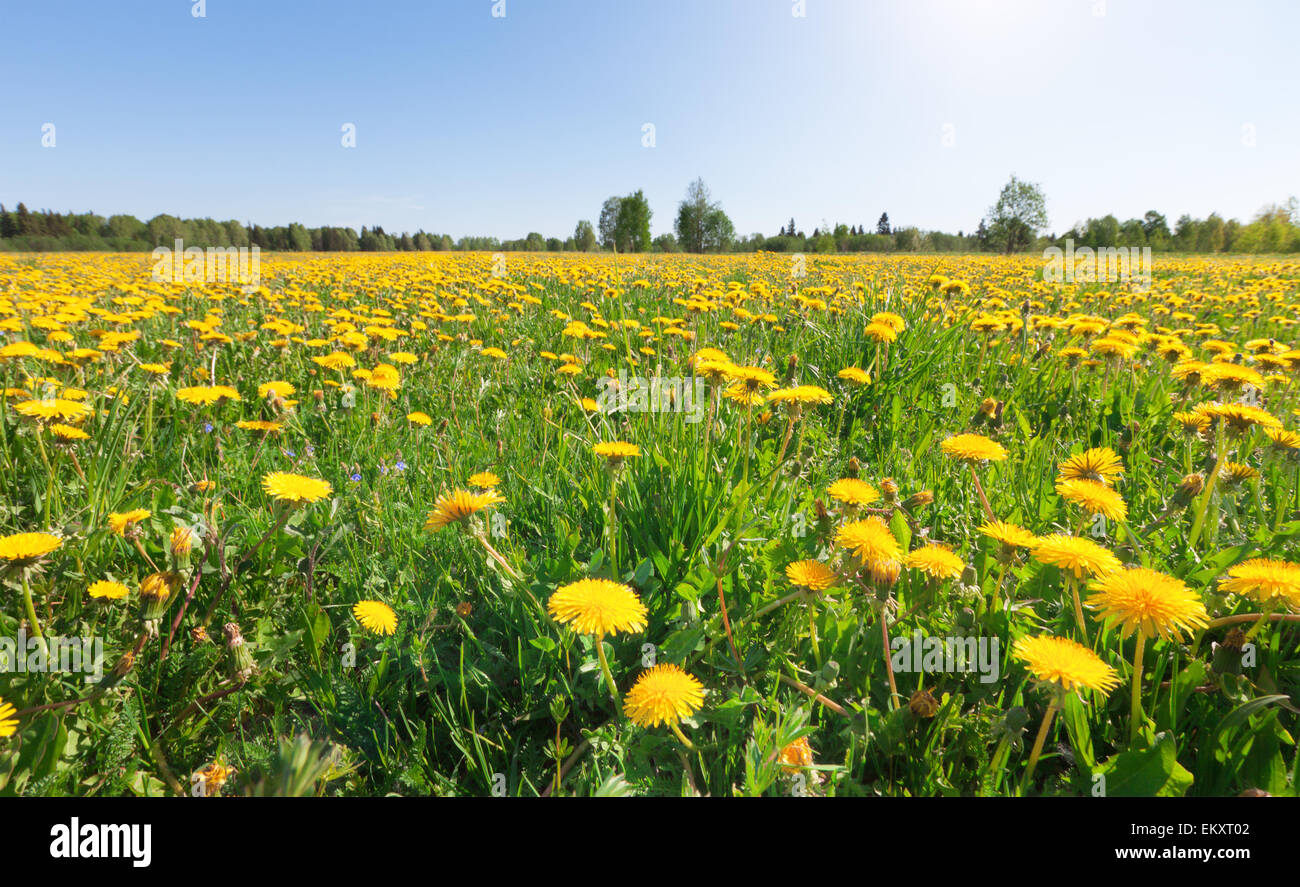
121, 522
852, 491
811, 574
1100, 464
973, 448
68, 433
8, 723
616, 451
375, 617
107, 590
1151, 602
797, 755
1093, 497
53, 408
294, 488
1074, 555
937, 562
800, 395
855, 376
663, 695
1265, 580
23, 549
598, 607
459, 505
1010, 535
204, 395
870, 541
1066, 664
484, 480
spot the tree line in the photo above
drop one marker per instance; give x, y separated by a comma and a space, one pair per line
1014, 224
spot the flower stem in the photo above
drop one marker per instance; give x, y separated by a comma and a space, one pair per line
1078, 609
1202, 506
609, 677
682, 736
1135, 717
889, 665
31, 608
1038, 742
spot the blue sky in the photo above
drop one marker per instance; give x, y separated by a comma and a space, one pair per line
470, 124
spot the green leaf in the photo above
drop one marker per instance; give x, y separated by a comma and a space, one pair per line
1075, 717
1151, 772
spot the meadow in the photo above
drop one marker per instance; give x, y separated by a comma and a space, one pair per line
539, 524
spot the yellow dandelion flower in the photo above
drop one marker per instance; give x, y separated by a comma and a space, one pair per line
375, 617
1094, 498
108, 590
484, 480
1074, 555
1010, 535
598, 607
663, 695
285, 487
936, 562
870, 541
22, 549
811, 574
1149, 601
1100, 464
852, 491
1066, 664
973, 448
1265, 580
121, 522
459, 506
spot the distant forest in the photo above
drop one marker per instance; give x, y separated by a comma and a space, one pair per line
1276, 229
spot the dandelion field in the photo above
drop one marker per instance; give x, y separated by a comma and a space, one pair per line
378, 527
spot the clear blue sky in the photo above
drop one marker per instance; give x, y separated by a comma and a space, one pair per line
470, 124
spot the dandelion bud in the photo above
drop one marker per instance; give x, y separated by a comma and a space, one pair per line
464, 609
241, 660
1227, 655
125, 664
889, 490
318, 395
1188, 489
884, 574
854, 468
199, 635
918, 500
988, 406
156, 592
923, 704
182, 542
